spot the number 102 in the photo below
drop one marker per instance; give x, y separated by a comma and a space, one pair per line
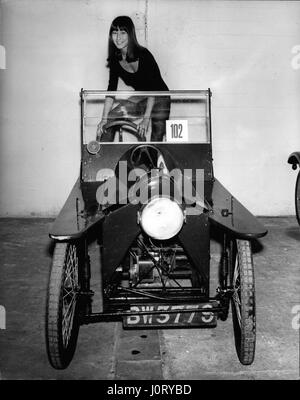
176, 131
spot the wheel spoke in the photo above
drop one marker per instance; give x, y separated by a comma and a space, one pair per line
71, 274
236, 298
70, 293
68, 317
237, 290
237, 305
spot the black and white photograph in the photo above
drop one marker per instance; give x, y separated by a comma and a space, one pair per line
149, 193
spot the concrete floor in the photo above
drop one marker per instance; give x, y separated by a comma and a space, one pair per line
107, 352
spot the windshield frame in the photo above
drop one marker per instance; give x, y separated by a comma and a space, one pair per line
204, 94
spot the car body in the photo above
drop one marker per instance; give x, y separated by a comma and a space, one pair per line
152, 207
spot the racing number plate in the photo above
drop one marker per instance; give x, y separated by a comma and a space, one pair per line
171, 316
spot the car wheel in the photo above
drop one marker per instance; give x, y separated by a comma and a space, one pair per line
62, 309
297, 198
224, 278
243, 300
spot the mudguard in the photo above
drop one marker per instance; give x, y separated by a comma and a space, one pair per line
74, 221
229, 214
294, 159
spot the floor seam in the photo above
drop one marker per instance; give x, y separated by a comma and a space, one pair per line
165, 367
113, 368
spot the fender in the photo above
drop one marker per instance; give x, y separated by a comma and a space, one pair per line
294, 159
75, 218
232, 216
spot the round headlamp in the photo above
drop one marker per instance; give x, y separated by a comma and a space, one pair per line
162, 218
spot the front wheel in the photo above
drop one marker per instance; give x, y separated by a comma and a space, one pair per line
243, 300
62, 309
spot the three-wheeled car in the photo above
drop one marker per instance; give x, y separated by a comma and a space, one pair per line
294, 159
151, 206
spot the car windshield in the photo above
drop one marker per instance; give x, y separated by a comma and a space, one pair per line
176, 116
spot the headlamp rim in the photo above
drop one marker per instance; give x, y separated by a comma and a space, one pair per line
156, 198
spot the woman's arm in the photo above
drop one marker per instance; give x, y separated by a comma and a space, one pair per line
106, 109
149, 106
153, 78
109, 101
112, 86
143, 126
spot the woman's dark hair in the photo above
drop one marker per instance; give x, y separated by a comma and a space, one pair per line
123, 23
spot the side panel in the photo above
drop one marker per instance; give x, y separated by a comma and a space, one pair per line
195, 240
119, 230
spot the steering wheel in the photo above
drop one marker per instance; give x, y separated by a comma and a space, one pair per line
129, 126
144, 155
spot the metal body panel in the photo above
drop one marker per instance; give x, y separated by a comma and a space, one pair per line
229, 214
73, 220
294, 159
183, 156
195, 239
119, 230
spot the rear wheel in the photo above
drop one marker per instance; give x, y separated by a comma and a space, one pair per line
62, 309
243, 300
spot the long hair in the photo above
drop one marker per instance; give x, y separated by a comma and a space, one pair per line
123, 23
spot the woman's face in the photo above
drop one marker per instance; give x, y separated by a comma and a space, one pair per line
120, 39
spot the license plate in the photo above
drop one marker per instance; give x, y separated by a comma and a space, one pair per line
171, 316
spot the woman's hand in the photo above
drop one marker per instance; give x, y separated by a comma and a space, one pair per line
143, 127
100, 128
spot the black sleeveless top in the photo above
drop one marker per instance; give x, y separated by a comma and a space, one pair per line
146, 78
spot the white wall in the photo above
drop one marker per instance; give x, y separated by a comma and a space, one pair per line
243, 51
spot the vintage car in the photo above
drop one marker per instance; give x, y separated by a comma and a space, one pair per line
152, 208
294, 159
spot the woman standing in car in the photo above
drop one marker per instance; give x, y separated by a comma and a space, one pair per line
136, 66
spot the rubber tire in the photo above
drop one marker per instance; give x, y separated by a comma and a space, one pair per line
245, 335
59, 355
224, 281
297, 198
